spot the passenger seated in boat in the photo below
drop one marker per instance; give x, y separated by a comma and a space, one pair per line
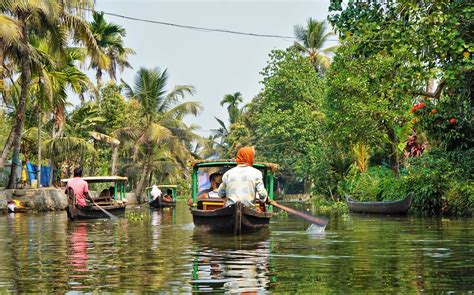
104, 195
155, 192
168, 197
216, 180
80, 188
243, 183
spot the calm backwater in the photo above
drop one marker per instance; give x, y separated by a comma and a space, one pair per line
160, 251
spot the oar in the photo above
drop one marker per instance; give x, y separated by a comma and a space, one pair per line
320, 221
110, 215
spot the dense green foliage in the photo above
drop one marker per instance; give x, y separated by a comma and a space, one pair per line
135, 131
285, 122
391, 115
4, 128
405, 67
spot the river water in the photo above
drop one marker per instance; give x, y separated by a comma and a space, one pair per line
160, 251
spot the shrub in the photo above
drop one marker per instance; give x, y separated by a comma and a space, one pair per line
459, 198
323, 206
367, 186
441, 183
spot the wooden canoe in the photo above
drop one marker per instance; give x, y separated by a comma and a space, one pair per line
159, 203
91, 212
236, 218
400, 206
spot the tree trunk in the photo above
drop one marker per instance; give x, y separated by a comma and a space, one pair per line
21, 108
2, 75
98, 77
393, 159
143, 177
51, 175
114, 160
38, 178
7, 148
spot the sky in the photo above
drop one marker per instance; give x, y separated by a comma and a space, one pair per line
214, 63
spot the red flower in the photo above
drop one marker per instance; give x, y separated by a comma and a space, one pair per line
417, 106
452, 121
434, 111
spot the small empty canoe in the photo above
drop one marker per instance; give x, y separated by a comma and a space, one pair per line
400, 206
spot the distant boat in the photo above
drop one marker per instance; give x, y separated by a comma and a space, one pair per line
400, 206
159, 202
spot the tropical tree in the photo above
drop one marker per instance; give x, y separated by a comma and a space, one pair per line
109, 38
161, 126
232, 101
33, 17
285, 121
311, 39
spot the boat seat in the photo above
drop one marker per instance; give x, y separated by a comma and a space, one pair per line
210, 204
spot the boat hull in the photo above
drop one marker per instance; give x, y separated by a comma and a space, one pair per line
157, 203
96, 213
236, 219
389, 207
79, 213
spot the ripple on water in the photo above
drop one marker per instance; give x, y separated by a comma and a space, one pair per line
164, 253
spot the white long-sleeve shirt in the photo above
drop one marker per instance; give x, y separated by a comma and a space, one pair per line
243, 183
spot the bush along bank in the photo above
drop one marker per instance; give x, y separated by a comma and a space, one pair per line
441, 181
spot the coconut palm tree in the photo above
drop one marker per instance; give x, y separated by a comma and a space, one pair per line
58, 18
311, 39
51, 77
232, 101
161, 126
109, 38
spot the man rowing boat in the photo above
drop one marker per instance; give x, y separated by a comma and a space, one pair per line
80, 188
243, 183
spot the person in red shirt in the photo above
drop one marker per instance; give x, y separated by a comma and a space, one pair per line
169, 196
80, 187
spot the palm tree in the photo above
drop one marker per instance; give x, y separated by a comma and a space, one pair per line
232, 101
109, 38
52, 75
311, 39
10, 37
161, 126
56, 18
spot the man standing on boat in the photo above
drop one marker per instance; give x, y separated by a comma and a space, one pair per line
243, 183
80, 187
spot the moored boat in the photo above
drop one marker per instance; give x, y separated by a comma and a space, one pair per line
112, 199
212, 215
400, 206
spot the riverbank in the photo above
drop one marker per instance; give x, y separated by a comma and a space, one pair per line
42, 199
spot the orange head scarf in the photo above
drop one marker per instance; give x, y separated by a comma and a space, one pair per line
245, 155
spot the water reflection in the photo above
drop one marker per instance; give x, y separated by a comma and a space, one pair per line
232, 264
77, 244
161, 252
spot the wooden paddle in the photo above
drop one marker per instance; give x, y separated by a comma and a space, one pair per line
320, 221
110, 215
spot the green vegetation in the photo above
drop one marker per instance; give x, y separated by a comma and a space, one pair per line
391, 114
135, 130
